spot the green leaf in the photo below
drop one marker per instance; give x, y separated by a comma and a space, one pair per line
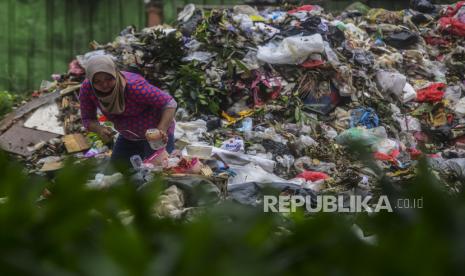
214, 107
297, 114
242, 66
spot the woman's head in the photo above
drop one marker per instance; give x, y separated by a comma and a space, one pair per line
104, 82
101, 72
108, 83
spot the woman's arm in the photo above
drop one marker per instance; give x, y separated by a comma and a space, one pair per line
89, 114
161, 102
167, 118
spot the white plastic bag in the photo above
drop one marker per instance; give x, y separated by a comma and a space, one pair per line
292, 50
459, 108
453, 94
331, 55
252, 173
203, 57
386, 146
305, 141
408, 123
392, 82
409, 93
190, 131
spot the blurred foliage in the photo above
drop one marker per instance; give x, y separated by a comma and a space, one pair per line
78, 231
7, 101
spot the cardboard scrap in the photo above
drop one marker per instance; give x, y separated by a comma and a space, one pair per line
75, 143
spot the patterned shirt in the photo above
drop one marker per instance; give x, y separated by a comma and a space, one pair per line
144, 104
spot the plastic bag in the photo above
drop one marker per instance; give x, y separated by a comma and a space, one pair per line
331, 55
189, 19
392, 82
386, 146
453, 94
306, 163
452, 24
409, 93
292, 50
363, 135
329, 132
253, 173
402, 39
322, 98
408, 123
459, 107
433, 93
190, 131
266, 29
104, 181
286, 161
313, 176
366, 117
305, 141
422, 6
158, 158
245, 9
203, 57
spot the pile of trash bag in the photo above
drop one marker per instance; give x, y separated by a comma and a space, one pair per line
280, 94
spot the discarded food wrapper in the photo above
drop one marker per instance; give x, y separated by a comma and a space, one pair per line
235, 144
201, 152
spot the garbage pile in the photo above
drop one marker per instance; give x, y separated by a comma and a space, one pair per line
279, 95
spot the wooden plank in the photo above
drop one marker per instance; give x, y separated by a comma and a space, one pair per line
51, 166
75, 143
28, 107
70, 89
17, 139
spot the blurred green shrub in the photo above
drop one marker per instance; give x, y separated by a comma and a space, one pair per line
78, 231
6, 102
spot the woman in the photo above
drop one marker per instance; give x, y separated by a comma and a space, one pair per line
131, 103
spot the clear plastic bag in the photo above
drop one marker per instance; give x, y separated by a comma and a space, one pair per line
292, 50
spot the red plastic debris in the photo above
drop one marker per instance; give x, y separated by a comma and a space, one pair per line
436, 41
268, 82
313, 176
451, 24
74, 68
432, 93
102, 118
304, 8
414, 153
187, 166
312, 63
387, 157
450, 118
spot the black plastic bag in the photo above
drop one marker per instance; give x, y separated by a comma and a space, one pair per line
402, 39
422, 6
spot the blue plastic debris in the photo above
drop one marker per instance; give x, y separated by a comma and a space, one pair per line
364, 116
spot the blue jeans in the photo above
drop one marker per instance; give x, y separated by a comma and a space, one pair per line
124, 149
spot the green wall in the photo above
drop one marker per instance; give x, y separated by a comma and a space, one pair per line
40, 37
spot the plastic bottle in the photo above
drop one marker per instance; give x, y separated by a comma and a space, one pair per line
136, 161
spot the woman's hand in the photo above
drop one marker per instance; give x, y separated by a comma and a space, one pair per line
163, 136
105, 133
